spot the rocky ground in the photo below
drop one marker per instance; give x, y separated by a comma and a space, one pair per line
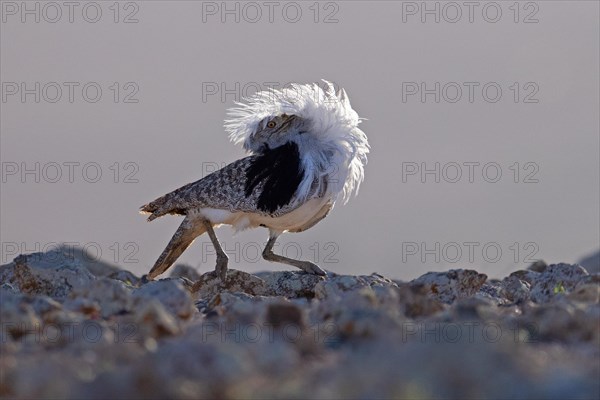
75, 330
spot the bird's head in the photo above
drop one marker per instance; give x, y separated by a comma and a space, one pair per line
320, 121
275, 131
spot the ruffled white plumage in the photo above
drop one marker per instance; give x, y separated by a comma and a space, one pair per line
334, 149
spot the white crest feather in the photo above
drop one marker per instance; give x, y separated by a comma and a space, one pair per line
333, 148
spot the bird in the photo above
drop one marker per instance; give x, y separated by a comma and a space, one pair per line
305, 151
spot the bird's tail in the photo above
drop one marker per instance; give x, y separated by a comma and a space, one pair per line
187, 232
154, 208
166, 204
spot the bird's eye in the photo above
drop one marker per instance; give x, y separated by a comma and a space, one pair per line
271, 124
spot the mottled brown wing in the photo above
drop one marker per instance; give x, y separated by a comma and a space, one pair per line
223, 189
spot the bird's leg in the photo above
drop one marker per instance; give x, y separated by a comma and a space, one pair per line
306, 266
221, 268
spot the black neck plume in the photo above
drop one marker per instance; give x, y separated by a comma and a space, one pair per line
281, 172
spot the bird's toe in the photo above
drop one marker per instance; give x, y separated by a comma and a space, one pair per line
312, 268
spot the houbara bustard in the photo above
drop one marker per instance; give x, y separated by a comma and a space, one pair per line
305, 150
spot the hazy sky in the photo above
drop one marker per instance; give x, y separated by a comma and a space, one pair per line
483, 121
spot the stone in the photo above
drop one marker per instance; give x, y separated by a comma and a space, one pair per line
538, 266
69, 331
557, 279
493, 290
290, 284
515, 290
591, 263
454, 284
52, 274
337, 285
126, 277
416, 303
171, 293
210, 284
155, 321
185, 271
588, 292
111, 296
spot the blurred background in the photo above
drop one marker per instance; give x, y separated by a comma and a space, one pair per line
483, 122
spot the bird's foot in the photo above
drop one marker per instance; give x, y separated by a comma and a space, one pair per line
311, 268
186, 282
